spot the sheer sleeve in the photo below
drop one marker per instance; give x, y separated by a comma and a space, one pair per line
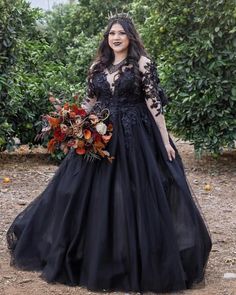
154, 94
90, 99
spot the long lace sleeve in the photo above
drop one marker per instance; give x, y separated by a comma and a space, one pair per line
90, 99
154, 94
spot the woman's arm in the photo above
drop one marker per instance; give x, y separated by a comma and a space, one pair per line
151, 86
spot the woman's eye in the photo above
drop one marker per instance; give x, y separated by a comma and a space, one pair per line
121, 33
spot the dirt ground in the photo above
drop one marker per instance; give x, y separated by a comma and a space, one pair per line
29, 173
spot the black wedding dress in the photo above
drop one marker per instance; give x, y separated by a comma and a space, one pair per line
129, 225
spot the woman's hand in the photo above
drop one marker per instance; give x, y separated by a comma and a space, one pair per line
170, 151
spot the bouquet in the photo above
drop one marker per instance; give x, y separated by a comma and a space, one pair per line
70, 126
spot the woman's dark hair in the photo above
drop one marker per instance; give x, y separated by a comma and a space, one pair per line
105, 55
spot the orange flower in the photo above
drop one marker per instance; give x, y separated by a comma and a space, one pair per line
87, 134
106, 138
72, 115
54, 122
51, 145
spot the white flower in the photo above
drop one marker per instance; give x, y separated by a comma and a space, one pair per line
101, 128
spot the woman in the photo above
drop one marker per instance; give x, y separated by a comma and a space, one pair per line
129, 225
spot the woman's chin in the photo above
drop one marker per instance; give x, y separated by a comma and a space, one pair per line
119, 50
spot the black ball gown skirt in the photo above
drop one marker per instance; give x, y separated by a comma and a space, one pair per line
130, 225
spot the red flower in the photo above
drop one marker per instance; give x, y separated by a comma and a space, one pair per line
97, 136
80, 151
78, 111
58, 134
82, 112
72, 115
75, 108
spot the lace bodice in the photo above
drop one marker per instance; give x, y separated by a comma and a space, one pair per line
118, 89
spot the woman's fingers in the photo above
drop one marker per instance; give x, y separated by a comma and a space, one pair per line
169, 156
171, 153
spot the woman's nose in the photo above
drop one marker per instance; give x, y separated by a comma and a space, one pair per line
116, 36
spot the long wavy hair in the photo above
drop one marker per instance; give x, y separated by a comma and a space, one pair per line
105, 55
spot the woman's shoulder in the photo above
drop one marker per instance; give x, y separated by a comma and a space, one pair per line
144, 63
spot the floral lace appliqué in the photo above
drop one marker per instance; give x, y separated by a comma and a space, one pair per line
151, 88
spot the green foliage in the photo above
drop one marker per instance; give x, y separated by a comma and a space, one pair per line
16, 19
193, 42
195, 45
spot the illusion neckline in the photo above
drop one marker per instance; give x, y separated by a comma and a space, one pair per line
119, 61
115, 82
112, 68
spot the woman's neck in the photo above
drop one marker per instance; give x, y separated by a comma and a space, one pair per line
119, 57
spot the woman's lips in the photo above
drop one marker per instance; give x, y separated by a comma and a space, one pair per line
117, 43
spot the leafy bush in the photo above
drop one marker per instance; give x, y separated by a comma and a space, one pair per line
16, 19
195, 45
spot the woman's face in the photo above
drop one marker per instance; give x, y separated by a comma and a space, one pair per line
118, 39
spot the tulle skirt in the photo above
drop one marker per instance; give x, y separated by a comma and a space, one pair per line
130, 225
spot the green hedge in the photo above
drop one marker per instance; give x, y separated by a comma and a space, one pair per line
194, 43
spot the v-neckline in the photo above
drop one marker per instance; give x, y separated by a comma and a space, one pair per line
106, 73
112, 89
